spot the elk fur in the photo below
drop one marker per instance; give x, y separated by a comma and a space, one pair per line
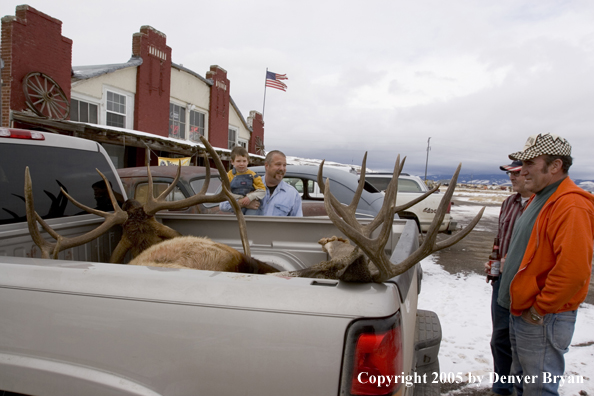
141, 231
200, 253
347, 263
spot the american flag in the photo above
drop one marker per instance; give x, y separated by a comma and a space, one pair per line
273, 81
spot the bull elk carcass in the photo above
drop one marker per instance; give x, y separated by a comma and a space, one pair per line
365, 261
141, 231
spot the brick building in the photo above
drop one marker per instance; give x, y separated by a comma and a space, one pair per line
146, 103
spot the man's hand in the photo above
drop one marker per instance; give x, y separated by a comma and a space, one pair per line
487, 270
244, 202
528, 316
255, 205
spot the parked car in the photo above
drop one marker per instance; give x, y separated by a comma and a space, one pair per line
409, 188
303, 178
342, 185
135, 181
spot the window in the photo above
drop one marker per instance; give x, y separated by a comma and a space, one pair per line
295, 182
243, 143
196, 125
116, 110
48, 165
405, 185
214, 185
177, 121
232, 138
313, 190
83, 111
381, 182
141, 192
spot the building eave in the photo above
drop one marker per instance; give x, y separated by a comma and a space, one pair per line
80, 73
121, 136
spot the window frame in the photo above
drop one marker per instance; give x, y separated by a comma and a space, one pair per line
182, 107
88, 102
232, 143
129, 106
243, 143
201, 130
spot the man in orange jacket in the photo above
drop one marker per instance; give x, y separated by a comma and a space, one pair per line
548, 265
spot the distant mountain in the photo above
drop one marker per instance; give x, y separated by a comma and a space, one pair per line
489, 179
486, 179
497, 179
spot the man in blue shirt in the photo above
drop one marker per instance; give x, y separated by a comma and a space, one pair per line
281, 198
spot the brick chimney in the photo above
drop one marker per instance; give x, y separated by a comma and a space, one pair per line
32, 42
218, 122
153, 81
257, 123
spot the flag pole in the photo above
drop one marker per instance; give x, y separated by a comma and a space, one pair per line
264, 105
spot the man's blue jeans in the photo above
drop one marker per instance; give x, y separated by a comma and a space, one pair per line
500, 344
538, 351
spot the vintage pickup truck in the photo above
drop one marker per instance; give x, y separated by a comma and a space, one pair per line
80, 326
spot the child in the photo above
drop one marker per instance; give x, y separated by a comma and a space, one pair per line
246, 185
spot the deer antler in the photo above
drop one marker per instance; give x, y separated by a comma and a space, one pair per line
47, 248
346, 222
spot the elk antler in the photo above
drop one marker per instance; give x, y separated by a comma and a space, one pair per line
348, 213
111, 219
153, 205
135, 240
346, 222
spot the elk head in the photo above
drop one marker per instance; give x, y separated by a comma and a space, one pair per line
367, 261
140, 228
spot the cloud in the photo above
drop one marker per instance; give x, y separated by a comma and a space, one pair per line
380, 76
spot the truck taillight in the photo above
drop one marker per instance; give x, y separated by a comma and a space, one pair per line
21, 134
373, 357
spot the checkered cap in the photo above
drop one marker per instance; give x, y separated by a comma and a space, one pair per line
542, 144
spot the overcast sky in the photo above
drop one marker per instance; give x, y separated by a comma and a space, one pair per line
478, 77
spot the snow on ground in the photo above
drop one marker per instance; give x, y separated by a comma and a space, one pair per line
587, 185
462, 302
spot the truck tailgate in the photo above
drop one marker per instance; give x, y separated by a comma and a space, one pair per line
174, 332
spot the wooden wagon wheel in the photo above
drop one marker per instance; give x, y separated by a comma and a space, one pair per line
45, 97
260, 146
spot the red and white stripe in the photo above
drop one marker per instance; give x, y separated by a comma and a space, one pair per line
276, 84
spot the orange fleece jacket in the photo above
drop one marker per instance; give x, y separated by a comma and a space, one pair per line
555, 272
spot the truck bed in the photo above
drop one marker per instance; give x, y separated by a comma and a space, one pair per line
112, 329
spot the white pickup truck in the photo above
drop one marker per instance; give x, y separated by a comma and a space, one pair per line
80, 326
409, 188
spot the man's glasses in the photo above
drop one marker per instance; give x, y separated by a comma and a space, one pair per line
515, 173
